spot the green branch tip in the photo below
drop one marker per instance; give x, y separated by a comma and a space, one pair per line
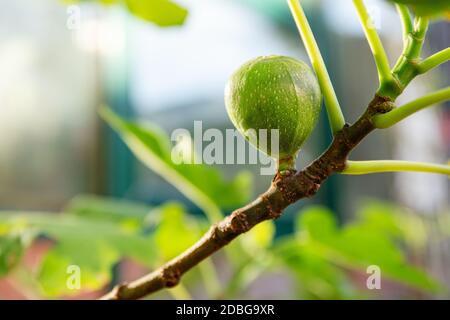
377, 166
335, 116
407, 66
405, 18
387, 120
434, 60
416, 37
376, 46
420, 27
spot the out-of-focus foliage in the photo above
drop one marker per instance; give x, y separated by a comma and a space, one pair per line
95, 233
11, 249
260, 237
321, 251
430, 8
92, 245
175, 232
197, 182
127, 213
96, 239
322, 257
163, 13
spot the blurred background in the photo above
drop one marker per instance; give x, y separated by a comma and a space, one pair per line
53, 145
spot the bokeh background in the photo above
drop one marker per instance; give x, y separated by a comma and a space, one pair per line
54, 146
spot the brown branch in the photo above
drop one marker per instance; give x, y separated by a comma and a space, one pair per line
284, 190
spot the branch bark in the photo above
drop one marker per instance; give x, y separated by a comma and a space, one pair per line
285, 189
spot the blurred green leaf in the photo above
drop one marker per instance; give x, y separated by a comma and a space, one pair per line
175, 232
430, 8
359, 247
163, 13
381, 217
259, 237
12, 247
318, 221
128, 213
93, 260
92, 245
316, 277
202, 184
394, 221
371, 240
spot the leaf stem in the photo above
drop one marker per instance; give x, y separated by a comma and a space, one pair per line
407, 66
335, 116
434, 60
376, 166
387, 120
381, 60
416, 38
405, 18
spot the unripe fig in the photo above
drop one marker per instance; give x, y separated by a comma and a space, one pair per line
274, 92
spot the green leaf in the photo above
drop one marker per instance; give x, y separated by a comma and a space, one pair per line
175, 232
430, 8
360, 244
316, 277
393, 221
161, 12
92, 245
382, 217
203, 185
94, 261
360, 247
259, 237
127, 213
318, 221
12, 247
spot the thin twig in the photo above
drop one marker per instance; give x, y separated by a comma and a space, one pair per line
376, 166
387, 120
435, 60
405, 18
379, 54
334, 112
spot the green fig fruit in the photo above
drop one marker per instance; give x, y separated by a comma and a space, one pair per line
274, 92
